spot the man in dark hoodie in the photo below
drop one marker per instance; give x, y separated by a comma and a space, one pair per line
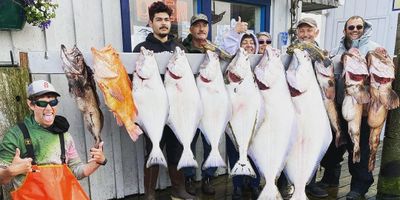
158, 41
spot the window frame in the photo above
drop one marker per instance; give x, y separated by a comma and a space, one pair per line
203, 6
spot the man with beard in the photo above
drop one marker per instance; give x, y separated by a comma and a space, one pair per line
357, 34
158, 41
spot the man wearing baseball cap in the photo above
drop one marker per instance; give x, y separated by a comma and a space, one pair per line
43, 137
196, 41
307, 30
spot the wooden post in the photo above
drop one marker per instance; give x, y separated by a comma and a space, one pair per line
389, 175
13, 84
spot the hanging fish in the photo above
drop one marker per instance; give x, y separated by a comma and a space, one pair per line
113, 81
83, 89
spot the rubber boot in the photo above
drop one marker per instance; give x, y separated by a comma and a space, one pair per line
331, 177
178, 190
314, 190
150, 181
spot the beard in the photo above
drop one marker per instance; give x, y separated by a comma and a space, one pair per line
162, 35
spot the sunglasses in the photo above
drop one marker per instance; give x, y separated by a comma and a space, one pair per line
264, 41
44, 104
351, 27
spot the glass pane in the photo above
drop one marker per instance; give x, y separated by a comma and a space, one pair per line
139, 17
223, 12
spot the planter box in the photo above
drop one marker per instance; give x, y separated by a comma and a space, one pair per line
12, 15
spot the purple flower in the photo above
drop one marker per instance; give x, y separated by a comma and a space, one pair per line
45, 25
29, 2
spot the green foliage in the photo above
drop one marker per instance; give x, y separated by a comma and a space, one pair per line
40, 12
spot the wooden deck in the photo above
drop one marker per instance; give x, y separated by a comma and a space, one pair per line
223, 186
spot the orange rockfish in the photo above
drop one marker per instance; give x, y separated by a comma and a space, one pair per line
112, 79
383, 97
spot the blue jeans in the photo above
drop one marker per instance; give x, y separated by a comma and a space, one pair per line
233, 157
190, 172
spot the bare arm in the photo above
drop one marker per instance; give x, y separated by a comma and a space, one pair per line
97, 158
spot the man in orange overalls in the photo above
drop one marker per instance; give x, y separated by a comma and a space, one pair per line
43, 137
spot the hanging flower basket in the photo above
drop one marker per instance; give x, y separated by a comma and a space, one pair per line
12, 15
40, 12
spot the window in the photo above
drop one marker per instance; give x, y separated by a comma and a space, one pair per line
222, 13
139, 17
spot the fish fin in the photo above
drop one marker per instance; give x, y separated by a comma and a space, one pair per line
243, 168
156, 157
327, 62
390, 100
104, 72
116, 93
119, 121
214, 159
134, 131
362, 97
187, 159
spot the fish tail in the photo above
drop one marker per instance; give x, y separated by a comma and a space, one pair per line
299, 194
187, 159
134, 131
243, 168
214, 159
156, 157
270, 192
373, 146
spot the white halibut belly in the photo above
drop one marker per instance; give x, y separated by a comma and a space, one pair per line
216, 113
185, 111
313, 139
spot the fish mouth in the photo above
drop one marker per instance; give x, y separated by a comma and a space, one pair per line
205, 80
293, 91
261, 85
356, 77
233, 77
381, 80
141, 78
176, 77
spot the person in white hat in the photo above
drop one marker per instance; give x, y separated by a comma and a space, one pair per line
43, 138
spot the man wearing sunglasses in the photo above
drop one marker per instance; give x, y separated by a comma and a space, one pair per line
357, 33
43, 137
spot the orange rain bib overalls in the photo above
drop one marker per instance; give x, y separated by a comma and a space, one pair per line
48, 182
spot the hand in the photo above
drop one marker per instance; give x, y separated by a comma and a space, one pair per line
240, 26
97, 154
19, 165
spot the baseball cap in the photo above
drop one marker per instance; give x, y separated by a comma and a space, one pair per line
198, 17
40, 87
307, 20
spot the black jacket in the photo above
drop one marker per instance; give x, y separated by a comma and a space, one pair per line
157, 46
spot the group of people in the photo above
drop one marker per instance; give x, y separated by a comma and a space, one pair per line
45, 138
357, 33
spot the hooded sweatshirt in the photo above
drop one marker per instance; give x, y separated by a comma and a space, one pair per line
364, 44
231, 42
